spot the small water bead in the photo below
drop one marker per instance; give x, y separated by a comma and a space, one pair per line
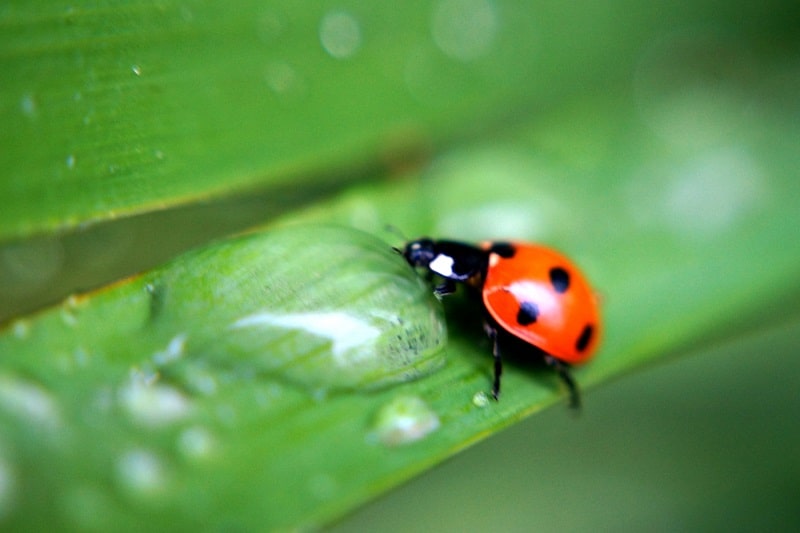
196, 442
29, 401
141, 472
404, 420
464, 29
340, 34
153, 404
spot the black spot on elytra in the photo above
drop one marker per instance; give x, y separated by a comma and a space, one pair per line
527, 314
505, 250
559, 278
585, 338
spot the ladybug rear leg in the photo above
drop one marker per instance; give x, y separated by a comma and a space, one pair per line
563, 372
491, 331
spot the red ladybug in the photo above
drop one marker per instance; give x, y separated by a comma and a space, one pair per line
530, 293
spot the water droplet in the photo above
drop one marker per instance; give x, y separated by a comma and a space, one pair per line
153, 404
340, 34
186, 13
196, 442
69, 310
464, 29
136, 69
159, 155
29, 402
270, 26
284, 81
404, 420
21, 328
173, 351
141, 472
7, 487
28, 105
480, 399
81, 356
70, 161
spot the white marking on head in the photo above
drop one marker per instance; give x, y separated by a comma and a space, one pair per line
442, 265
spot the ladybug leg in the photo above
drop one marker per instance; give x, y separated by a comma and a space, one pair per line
448, 286
563, 372
491, 331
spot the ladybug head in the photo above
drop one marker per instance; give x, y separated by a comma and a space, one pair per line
420, 253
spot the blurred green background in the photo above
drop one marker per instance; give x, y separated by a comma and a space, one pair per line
655, 142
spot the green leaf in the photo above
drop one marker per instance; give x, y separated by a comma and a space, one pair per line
114, 109
662, 157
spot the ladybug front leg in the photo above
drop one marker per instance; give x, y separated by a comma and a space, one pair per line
447, 286
563, 372
491, 331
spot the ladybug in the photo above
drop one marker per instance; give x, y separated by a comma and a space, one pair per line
533, 297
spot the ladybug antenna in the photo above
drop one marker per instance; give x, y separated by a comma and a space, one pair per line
394, 230
391, 228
